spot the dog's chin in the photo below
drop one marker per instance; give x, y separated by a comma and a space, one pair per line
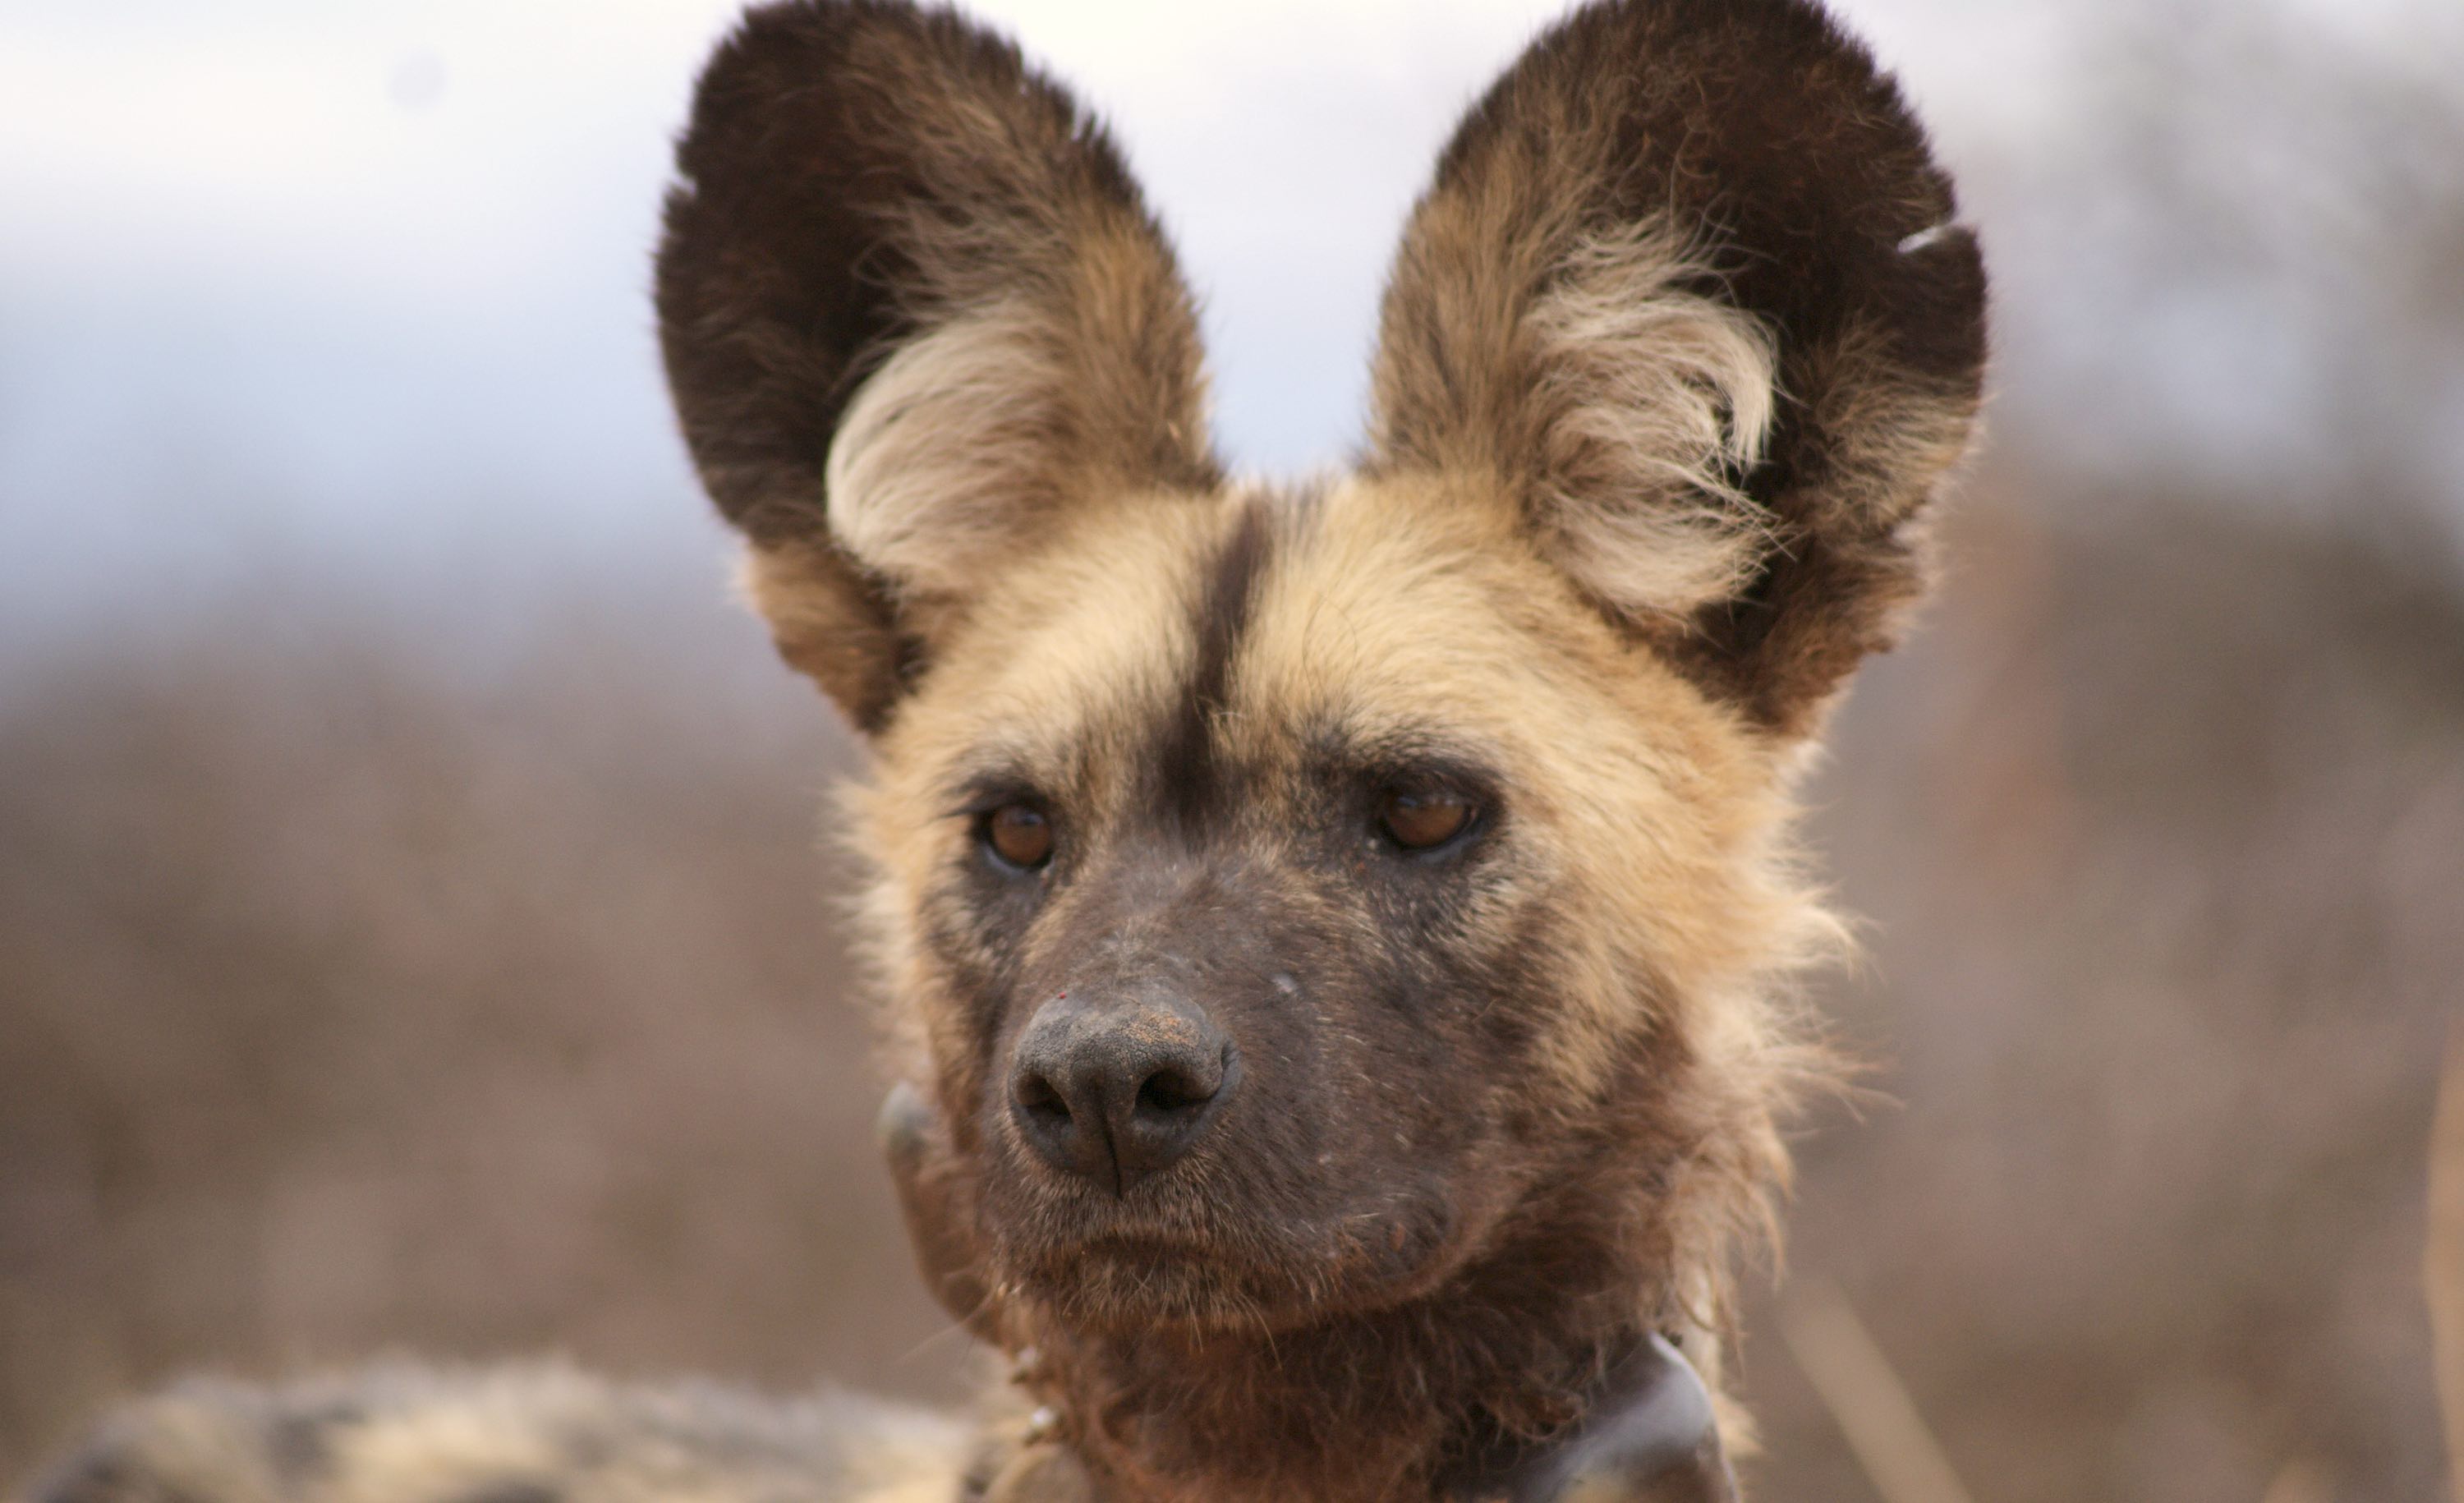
1116, 1288
1119, 1282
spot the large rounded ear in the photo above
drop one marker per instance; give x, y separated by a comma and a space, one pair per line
912, 304
1688, 291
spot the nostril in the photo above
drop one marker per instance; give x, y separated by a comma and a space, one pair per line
1171, 1090
1179, 1090
1036, 1096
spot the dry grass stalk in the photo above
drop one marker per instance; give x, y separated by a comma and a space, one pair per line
1871, 1408
2442, 1271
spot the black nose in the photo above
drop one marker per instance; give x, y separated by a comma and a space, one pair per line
1116, 1091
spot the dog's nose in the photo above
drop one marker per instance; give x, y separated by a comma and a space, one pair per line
1115, 1092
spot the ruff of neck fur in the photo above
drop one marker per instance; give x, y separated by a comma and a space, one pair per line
1370, 1409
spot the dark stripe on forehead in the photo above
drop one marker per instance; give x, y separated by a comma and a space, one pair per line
1189, 780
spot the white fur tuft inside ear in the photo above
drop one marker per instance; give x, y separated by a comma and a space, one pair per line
942, 460
1655, 404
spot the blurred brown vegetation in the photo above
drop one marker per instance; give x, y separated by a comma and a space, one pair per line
355, 1003
2160, 828
357, 996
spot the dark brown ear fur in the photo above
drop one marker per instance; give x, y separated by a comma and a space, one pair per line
862, 175
1562, 318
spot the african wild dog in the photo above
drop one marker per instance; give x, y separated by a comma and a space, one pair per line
1338, 935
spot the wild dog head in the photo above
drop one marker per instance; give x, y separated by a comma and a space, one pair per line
1295, 898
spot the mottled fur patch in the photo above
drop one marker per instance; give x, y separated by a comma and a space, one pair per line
534, 1434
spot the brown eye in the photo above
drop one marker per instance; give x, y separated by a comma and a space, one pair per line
1424, 821
1019, 835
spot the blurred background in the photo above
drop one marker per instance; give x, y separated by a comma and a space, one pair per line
415, 929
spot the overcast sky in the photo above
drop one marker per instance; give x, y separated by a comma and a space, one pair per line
367, 282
